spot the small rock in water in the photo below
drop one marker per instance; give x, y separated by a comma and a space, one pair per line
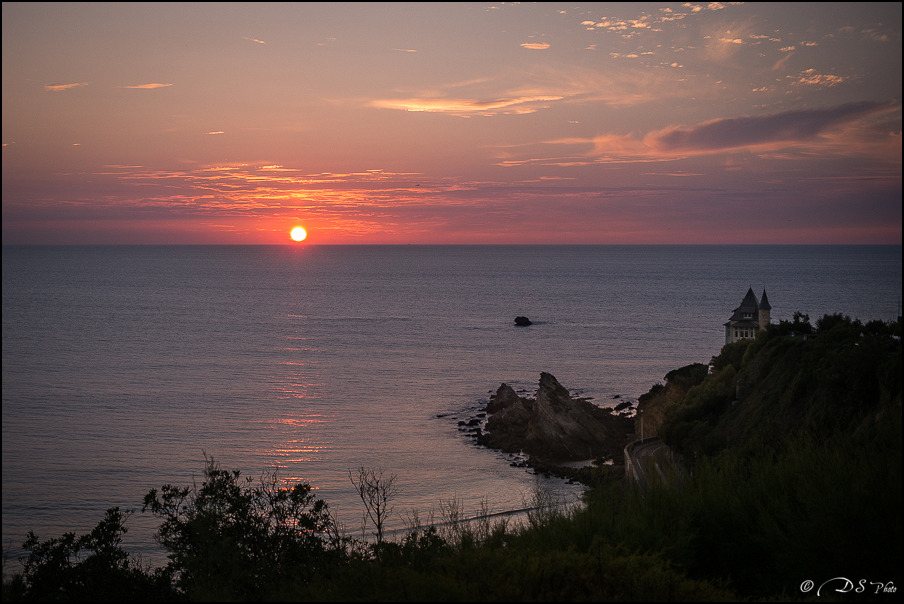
522, 321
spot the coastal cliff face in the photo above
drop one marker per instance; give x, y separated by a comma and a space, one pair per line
844, 377
554, 427
652, 405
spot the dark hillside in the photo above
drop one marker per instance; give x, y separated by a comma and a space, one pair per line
842, 378
794, 446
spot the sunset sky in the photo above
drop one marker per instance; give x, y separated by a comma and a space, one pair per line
465, 122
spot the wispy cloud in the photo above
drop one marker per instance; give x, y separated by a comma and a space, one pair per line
789, 126
61, 87
877, 36
468, 107
535, 45
839, 131
255, 40
519, 92
350, 203
147, 86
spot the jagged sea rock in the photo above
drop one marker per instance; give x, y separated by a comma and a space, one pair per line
554, 427
505, 397
509, 415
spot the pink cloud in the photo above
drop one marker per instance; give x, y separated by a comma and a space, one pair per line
61, 87
148, 86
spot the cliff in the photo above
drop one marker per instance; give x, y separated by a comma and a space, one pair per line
651, 407
843, 378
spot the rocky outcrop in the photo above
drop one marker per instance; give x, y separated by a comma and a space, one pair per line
522, 321
554, 427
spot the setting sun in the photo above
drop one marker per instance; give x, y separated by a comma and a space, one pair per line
298, 234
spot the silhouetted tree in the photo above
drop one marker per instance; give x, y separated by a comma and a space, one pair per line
231, 538
376, 491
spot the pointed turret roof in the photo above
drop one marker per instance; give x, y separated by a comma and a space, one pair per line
764, 301
749, 303
749, 306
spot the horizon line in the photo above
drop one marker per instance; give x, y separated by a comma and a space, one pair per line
303, 244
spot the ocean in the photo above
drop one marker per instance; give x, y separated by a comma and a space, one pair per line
124, 367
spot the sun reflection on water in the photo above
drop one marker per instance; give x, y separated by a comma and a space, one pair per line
299, 443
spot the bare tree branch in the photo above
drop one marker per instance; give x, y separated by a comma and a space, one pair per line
377, 491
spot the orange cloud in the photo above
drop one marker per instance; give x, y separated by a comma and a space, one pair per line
147, 86
810, 77
61, 87
467, 107
535, 45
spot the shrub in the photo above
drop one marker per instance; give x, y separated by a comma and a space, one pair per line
92, 567
233, 539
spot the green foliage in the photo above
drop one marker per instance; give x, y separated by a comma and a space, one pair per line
798, 327
92, 567
688, 426
688, 376
655, 390
234, 539
524, 566
731, 355
767, 522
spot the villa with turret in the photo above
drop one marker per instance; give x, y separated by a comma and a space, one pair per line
749, 318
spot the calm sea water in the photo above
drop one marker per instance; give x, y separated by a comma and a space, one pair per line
124, 366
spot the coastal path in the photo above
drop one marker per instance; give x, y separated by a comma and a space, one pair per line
649, 460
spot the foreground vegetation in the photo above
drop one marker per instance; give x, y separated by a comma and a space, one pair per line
792, 457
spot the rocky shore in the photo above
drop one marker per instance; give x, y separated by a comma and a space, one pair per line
554, 432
